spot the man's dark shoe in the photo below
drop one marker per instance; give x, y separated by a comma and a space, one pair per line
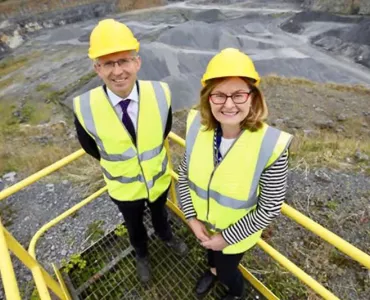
230, 297
205, 283
143, 269
178, 246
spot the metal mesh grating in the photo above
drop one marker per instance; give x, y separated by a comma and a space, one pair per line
110, 271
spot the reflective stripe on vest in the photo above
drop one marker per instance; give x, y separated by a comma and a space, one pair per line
268, 144
130, 153
143, 167
162, 102
139, 177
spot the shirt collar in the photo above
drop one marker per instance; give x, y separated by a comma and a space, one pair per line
115, 100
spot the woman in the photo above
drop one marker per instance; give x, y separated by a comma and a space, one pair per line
232, 179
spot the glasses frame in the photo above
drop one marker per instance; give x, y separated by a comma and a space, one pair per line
110, 65
230, 96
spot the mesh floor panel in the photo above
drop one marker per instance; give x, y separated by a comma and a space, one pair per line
110, 271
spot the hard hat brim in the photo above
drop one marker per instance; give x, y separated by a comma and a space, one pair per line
257, 80
114, 50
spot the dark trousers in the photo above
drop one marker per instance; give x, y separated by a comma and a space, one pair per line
227, 270
133, 213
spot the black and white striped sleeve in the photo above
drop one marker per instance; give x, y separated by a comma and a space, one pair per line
184, 191
273, 189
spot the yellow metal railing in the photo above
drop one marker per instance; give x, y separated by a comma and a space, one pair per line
44, 281
42, 278
6, 268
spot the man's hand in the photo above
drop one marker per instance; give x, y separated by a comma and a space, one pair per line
199, 229
215, 243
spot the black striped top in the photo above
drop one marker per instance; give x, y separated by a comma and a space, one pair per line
272, 195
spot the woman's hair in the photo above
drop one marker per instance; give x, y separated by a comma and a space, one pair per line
257, 113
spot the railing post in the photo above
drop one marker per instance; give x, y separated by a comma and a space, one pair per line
41, 286
42, 277
6, 269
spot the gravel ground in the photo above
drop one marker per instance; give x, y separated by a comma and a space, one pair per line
40, 203
312, 192
335, 199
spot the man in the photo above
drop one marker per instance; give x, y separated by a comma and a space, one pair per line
123, 124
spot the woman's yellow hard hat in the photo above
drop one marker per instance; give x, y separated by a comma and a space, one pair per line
111, 36
230, 62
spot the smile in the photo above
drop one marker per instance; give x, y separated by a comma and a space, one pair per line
119, 80
229, 113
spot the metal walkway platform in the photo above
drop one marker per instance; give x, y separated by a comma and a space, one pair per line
110, 269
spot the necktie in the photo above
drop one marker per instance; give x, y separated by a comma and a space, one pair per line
126, 120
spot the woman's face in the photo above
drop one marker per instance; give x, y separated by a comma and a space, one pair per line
234, 109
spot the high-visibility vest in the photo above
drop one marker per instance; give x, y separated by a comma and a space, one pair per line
130, 172
225, 193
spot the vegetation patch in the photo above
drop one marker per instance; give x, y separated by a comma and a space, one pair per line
12, 63
43, 86
38, 147
330, 150
110, 269
94, 231
7, 213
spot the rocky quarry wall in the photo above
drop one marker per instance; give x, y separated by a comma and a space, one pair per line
24, 8
20, 18
339, 6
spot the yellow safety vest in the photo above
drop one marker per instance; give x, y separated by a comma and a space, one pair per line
224, 194
130, 172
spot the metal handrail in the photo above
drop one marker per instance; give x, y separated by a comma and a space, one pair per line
327, 235
313, 226
47, 226
6, 269
44, 280
40, 174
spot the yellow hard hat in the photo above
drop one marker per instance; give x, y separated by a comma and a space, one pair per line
110, 36
230, 62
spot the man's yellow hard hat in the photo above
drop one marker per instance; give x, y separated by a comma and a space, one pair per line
230, 62
111, 36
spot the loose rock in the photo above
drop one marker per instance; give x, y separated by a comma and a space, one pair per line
328, 124
361, 156
322, 176
10, 177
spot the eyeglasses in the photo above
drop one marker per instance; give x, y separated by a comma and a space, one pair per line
238, 97
123, 63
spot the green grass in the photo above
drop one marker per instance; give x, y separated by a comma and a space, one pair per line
10, 64
94, 231
296, 81
31, 155
13, 79
7, 213
43, 87
59, 95
328, 149
174, 277
19, 148
281, 282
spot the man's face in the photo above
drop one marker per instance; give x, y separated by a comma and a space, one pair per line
119, 71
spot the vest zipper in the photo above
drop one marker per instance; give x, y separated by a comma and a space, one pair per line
210, 179
137, 147
214, 170
209, 184
137, 132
